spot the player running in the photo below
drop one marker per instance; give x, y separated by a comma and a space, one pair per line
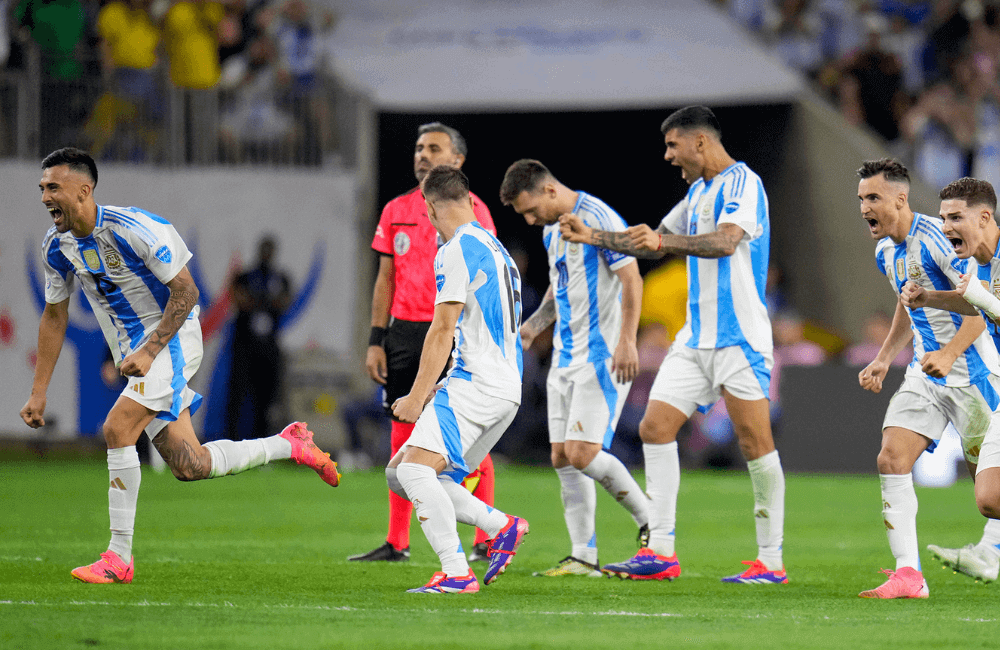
953, 373
594, 299
478, 308
725, 347
968, 206
132, 266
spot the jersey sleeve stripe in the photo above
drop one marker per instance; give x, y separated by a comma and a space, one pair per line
132, 224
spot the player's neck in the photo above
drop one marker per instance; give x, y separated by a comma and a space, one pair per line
903, 225
87, 221
452, 220
984, 252
716, 162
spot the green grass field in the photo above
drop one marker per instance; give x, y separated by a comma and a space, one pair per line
258, 561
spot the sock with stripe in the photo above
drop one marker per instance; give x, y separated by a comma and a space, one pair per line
123, 494
436, 515
768, 482
579, 497
899, 513
663, 482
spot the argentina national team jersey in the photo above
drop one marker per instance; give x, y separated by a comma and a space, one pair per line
726, 295
474, 268
587, 293
989, 275
123, 267
927, 258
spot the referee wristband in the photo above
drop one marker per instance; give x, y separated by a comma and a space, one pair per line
377, 336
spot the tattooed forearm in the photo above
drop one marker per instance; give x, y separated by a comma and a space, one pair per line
716, 244
179, 305
621, 242
543, 318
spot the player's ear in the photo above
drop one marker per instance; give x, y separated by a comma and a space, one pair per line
459, 160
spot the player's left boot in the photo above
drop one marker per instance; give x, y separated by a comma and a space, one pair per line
972, 560
759, 574
647, 564
305, 452
480, 552
504, 546
110, 568
907, 582
571, 566
440, 583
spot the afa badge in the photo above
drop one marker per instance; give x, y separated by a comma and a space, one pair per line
401, 243
92, 260
914, 272
112, 260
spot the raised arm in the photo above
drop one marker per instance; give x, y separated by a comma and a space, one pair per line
51, 334
433, 357
625, 362
183, 297
543, 318
644, 242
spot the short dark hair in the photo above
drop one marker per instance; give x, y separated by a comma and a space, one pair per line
445, 183
457, 141
77, 160
525, 175
690, 118
972, 190
893, 170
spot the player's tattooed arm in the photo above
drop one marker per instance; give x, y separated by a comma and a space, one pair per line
183, 297
541, 320
721, 243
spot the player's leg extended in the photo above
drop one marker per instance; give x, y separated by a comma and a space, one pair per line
121, 430
752, 424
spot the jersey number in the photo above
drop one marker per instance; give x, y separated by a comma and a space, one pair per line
513, 296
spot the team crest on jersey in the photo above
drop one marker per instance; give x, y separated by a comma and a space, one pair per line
914, 272
574, 248
706, 209
92, 260
401, 243
112, 260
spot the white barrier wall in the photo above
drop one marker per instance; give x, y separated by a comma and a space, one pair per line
221, 214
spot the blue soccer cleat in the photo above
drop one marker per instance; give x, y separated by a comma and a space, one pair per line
645, 565
759, 574
441, 583
503, 547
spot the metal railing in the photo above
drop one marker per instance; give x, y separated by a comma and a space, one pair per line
140, 117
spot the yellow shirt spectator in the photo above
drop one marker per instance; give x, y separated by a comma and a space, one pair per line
130, 34
664, 296
191, 36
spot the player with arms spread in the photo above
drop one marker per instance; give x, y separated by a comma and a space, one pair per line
478, 309
402, 309
132, 266
594, 299
725, 347
968, 206
951, 378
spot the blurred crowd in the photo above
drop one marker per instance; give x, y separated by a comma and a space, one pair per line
922, 74
241, 75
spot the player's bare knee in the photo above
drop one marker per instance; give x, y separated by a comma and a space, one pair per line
890, 462
653, 432
988, 500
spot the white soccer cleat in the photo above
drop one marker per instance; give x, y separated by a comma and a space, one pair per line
972, 560
571, 566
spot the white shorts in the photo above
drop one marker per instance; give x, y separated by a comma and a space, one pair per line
691, 378
989, 457
164, 388
926, 408
584, 403
462, 424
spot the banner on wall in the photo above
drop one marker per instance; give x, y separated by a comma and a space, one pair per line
221, 215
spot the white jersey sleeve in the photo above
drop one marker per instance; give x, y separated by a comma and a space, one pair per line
154, 239
60, 279
451, 276
741, 203
676, 220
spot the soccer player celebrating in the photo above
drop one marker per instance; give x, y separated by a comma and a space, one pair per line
724, 348
951, 378
594, 298
478, 309
132, 266
968, 206
402, 309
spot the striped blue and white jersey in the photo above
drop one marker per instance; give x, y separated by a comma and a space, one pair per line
123, 267
587, 293
726, 295
474, 268
989, 275
927, 258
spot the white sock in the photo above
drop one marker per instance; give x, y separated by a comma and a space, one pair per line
472, 511
768, 482
663, 481
899, 511
233, 457
436, 515
123, 468
991, 536
579, 497
613, 476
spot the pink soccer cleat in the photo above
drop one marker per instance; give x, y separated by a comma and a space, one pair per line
441, 583
906, 582
110, 568
305, 452
758, 574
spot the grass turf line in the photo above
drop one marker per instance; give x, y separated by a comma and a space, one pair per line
259, 561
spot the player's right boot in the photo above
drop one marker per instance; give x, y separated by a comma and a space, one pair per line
110, 568
906, 582
305, 452
645, 565
571, 566
504, 546
385, 553
972, 560
440, 583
